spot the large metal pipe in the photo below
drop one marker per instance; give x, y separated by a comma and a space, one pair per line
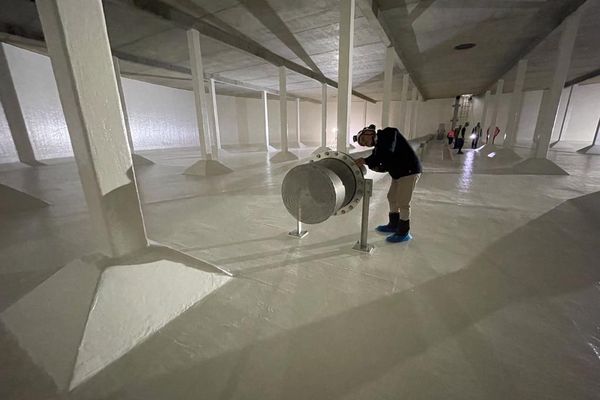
330, 184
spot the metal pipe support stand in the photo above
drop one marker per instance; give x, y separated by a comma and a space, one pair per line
298, 233
362, 244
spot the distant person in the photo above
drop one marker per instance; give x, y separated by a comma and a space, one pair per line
393, 154
457, 134
461, 140
450, 136
496, 133
475, 135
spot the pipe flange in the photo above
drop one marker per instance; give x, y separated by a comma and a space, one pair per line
358, 173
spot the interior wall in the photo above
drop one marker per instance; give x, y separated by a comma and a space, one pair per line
585, 112
159, 116
38, 95
162, 117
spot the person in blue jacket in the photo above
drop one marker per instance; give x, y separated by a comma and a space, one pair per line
393, 154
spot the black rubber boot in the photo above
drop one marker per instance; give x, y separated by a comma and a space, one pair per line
392, 224
403, 227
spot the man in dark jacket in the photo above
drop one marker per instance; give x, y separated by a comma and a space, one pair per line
393, 154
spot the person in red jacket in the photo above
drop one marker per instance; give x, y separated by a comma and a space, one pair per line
450, 136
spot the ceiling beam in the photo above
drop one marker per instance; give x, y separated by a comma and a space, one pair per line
583, 78
263, 12
371, 11
183, 20
34, 44
569, 9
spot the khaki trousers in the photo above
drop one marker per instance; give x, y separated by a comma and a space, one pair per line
400, 195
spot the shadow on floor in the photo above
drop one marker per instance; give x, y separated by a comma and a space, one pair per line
491, 330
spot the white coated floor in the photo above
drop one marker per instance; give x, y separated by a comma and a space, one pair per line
497, 297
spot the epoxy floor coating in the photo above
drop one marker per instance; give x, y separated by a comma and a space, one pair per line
497, 297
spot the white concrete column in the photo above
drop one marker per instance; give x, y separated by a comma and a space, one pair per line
412, 112
551, 100
486, 106
365, 114
388, 78
516, 102
324, 115
298, 122
346, 47
14, 113
265, 107
283, 108
596, 141
215, 128
284, 154
402, 109
123, 104
138, 160
415, 115
566, 116
193, 37
495, 107
77, 41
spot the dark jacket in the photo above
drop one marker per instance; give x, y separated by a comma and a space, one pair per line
393, 153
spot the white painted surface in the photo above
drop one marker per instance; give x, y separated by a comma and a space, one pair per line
160, 117
8, 153
200, 100
402, 105
493, 312
345, 62
495, 109
215, 129
49, 321
283, 109
78, 45
390, 56
36, 87
550, 100
323, 115
516, 102
265, 113
132, 302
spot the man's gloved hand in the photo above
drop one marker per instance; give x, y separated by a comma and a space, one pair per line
360, 162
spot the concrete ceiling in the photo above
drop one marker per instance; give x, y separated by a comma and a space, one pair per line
149, 35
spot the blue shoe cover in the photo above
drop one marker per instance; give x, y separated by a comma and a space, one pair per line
395, 238
385, 229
